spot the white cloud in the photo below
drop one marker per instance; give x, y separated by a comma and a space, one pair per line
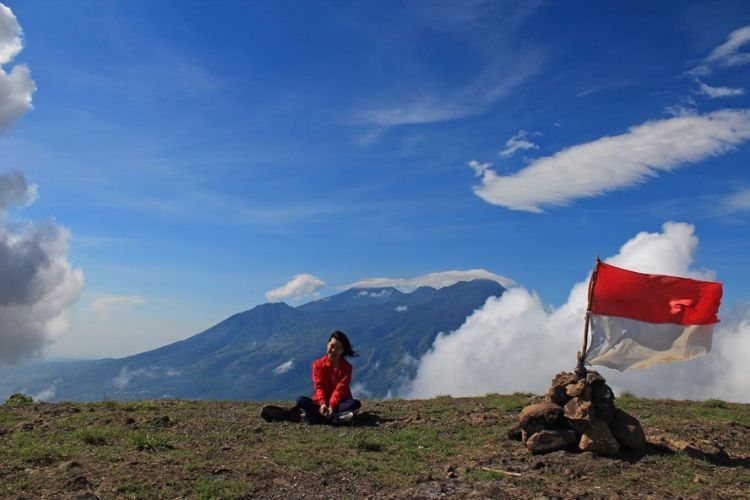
718, 92
38, 286
737, 202
518, 142
496, 346
283, 367
401, 308
16, 87
615, 162
122, 379
16, 190
435, 280
301, 286
728, 53
45, 394
10, 35
478, 167
111, 302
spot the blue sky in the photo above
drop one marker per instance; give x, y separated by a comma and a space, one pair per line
204, 153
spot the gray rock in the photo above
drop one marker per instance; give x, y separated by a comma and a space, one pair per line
551, 440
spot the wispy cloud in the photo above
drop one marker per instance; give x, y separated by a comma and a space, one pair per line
283, 367
518, 142
126, 375
435, 280
416, 97
16, 87
717, 92
112, 302
726, 54
736, 202
299, 287
616, 162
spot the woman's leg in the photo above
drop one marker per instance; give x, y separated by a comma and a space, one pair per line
311, 409
349, 405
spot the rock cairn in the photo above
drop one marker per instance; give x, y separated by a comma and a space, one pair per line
579, 413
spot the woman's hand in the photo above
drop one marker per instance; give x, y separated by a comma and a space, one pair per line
326, 411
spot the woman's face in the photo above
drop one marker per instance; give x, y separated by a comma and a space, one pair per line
334, 349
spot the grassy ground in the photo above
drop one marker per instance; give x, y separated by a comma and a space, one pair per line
433, 448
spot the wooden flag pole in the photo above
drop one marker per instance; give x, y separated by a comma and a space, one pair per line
581, 367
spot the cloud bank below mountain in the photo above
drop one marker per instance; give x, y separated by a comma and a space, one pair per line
514, 343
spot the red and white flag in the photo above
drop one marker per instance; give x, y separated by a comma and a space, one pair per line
639, 320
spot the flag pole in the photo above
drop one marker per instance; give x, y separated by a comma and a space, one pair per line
580, 370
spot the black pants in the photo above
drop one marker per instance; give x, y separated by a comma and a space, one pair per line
312, 409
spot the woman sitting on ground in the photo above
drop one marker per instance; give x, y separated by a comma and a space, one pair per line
332, 400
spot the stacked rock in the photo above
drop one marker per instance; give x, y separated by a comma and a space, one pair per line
579, 413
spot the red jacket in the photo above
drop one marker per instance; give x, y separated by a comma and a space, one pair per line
331, 384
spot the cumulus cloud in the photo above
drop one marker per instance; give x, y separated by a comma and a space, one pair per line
16, 86
737, 202
111, 302
616, 162
515, 343
301, 286
38, 285
518, 142
283, 367
718, 92
435, 280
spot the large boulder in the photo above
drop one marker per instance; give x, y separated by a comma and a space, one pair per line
627, 430
537, 417
598, 439
551, 440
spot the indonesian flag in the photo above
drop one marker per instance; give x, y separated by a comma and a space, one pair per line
639, 320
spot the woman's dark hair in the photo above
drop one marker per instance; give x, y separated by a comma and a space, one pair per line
341, 337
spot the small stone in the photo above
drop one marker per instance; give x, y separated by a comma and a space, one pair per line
556, 394
451, 475
515, 433
698, 479
563, 378
78, 483
598, 439
226, 447
580, 389
551, 440
627, 430
24, 426
540, 416
579, 414
68, 465
593, 377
